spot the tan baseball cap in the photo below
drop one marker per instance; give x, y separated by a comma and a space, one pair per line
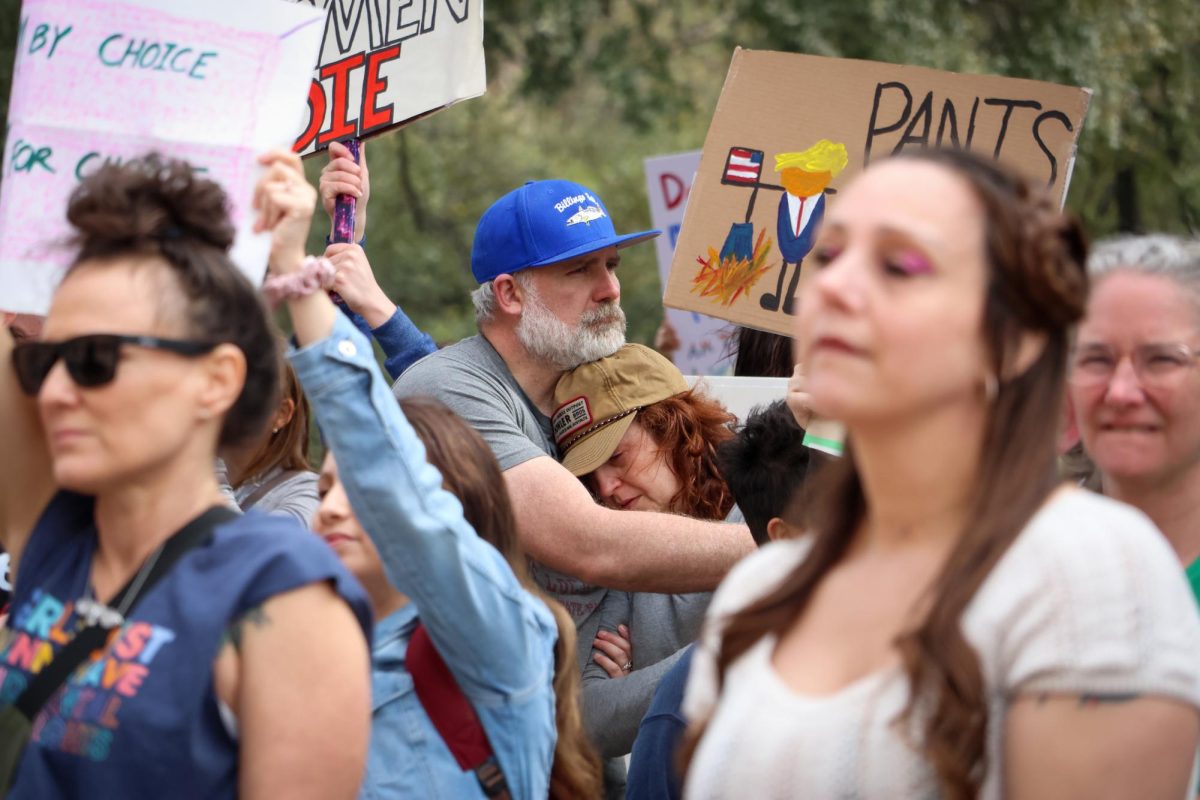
597, 402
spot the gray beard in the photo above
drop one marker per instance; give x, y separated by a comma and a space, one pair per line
600, 333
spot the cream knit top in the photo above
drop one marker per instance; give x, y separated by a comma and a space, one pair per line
1088, 599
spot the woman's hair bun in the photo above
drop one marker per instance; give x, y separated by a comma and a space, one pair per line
142, 203
1055, 248
163, 209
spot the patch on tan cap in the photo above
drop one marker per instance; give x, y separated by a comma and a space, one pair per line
570, 417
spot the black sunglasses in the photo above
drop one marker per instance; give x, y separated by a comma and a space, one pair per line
91, 360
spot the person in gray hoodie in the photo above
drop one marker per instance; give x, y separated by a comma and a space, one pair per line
641, 439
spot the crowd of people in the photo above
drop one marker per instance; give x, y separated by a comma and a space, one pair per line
540, 563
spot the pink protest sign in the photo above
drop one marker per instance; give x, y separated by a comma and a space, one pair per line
95, 82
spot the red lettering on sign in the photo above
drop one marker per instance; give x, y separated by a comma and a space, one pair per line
339, 127
372, 117
316, 115
674, 190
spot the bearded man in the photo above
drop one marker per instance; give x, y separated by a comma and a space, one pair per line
546, 258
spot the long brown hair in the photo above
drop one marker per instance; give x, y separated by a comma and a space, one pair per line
687, 428
1036, 283
471, 473
288, 446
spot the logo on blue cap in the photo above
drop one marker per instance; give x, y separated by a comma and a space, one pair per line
541, 223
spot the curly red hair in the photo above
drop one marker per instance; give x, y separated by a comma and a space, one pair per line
688, 427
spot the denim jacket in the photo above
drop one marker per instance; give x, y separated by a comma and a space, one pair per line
402, 342
497, 639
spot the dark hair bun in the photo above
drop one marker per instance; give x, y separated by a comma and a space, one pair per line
1055, 252
146, 201
159, 207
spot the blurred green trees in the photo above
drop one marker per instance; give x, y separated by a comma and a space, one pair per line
586, 90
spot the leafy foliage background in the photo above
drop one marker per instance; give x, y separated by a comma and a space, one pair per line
586, 90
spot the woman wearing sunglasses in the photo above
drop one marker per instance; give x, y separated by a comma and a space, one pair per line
156, 351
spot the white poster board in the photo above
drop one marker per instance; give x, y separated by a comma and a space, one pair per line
703, 341
214, 82
386, 62
741, 395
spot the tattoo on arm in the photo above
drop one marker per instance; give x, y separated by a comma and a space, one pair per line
1095, 699
1106, 698
233, 634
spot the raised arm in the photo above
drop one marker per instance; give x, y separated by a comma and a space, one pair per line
26, 481
640, 551
402, 341
490, 631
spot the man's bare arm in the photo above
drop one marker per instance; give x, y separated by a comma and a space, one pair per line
638, 551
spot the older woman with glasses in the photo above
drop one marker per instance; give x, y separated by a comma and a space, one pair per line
1134, 386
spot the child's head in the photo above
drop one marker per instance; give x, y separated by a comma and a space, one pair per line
764, 466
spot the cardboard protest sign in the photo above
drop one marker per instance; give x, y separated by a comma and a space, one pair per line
790, 129
703, 341
386, 62
97, 81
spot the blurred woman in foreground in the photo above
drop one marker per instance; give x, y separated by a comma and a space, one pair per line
957, 623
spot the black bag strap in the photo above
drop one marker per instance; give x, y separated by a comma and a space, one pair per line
263, 489
93, 637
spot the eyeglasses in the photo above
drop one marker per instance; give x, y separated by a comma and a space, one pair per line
91, 360
1156, 365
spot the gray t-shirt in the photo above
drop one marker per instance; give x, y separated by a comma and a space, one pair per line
474, 382
293, 494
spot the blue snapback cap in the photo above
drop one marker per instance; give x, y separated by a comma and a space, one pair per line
543, 222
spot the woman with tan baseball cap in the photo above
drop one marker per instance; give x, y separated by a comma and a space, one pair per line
641, 439
631, 427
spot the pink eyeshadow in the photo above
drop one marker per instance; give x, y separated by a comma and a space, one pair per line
914, 263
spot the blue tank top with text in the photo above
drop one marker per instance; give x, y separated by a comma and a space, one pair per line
142, 720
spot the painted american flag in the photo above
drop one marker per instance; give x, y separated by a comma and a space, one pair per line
743, 166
